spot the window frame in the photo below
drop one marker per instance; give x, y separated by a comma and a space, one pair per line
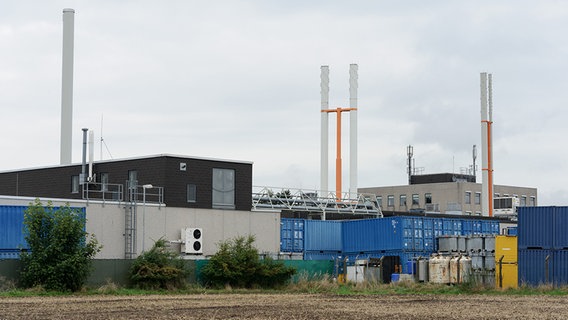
191, 193
223, 196
75, 184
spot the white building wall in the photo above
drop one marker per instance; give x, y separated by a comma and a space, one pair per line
107, 223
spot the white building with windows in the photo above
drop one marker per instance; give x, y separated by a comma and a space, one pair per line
444, 193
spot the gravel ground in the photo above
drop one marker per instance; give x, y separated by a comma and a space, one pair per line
285, 306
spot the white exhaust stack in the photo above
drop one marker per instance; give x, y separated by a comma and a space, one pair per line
353, 87
324, 84
67, 87
487, 144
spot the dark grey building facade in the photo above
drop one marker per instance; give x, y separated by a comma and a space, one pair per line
188, 182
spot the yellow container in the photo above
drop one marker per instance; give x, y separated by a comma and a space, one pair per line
506, 247
509, 272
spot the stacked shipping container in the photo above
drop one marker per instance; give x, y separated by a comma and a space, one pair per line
404, 236
543, 245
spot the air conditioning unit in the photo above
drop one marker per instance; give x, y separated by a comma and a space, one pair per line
193, 240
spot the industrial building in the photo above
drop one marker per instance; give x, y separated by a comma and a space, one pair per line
131, 203
447, 193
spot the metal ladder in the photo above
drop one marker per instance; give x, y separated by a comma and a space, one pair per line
130, 222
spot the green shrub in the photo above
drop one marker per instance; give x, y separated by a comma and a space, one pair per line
237, 264
60, 257
159, 268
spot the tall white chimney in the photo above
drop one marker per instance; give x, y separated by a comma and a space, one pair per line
324, 83
67, 87
486, 144
353, 87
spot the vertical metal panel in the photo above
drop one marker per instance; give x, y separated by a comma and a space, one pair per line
322, 235
560, 267
533, 269
560, 228
291, 235
12, 228
535, 227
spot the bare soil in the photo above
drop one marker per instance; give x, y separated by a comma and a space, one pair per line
285, 306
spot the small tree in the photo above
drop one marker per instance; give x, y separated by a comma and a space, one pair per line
237, 264
158, 268
60, 257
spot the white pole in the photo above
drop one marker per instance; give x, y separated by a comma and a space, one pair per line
324, 130
353, 87
91, 154
484, 146
67, 87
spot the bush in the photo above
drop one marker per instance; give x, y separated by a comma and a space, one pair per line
237, 264
60, 257
159, 268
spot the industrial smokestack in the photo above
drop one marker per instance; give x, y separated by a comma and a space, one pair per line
67, 87
487, 144
353, 88
324, 129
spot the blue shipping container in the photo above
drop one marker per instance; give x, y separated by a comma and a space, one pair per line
533, 268
394, 233
291, 235
536, 227
560, 228
322, 235
12, 228
560, 267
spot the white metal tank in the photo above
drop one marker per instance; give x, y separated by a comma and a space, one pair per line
460, 269
439, 269
422, 270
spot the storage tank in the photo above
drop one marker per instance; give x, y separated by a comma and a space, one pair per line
439, 269
460, 269
422, 270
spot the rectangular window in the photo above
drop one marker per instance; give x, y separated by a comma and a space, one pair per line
415, 200
390, 201
403, 200
477, 213
428, 198
223, 188
132, 179
380, 201
191, 193
523, 201
496, 195
468, 197
478, 198
74, 184
468, 213
104, 181
532, 201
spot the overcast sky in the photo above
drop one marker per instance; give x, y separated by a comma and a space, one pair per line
241, 80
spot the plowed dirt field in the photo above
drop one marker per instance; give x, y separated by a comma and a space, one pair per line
285, 306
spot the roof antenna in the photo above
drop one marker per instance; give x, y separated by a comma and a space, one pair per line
103, 141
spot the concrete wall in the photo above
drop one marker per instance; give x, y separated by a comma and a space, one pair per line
107, 222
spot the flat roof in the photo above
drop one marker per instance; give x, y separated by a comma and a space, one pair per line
130, 159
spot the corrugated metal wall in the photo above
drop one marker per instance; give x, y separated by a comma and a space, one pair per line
12, 235
542, 234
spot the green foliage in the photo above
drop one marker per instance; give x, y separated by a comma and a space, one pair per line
158, 268
237, 264
60, 257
